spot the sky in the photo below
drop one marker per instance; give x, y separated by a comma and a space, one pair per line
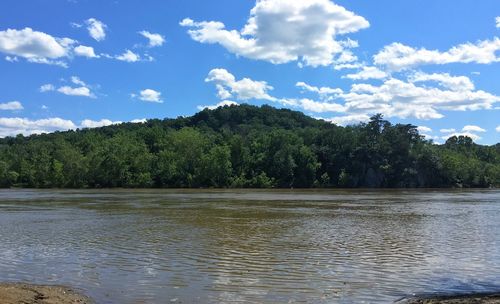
67, 64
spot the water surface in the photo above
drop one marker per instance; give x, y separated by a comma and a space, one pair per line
235, 246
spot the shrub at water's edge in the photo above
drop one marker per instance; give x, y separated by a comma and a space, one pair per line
246, 146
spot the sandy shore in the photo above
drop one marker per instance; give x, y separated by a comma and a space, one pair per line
34, 294
466, 299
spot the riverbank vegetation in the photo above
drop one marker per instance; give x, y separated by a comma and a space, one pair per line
246, 146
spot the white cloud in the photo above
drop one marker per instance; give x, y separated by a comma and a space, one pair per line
456, 83
79, 91
47, 88
76, 80
244, 89
82, 90
471, 128
367, 72
469, 131
150, 96
424, 129
25, 126
324, 93
96, 28
11, 59
85, 51
348, 66
421, 96
312, 105
220, 104
154, 39
88, 123
397, 98
349, 119
397, 56
497, 20
128, 56
447, 130
281, 31
11, 106
142, 120
403, 99
498, 129
34, 46
60, 63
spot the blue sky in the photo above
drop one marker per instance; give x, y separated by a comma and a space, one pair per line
80, 63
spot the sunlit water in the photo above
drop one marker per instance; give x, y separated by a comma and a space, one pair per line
251, 246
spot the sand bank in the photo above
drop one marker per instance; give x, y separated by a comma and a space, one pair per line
16, 293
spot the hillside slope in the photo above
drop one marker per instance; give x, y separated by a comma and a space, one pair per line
246, 146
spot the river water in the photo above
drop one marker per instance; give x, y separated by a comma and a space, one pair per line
248, 246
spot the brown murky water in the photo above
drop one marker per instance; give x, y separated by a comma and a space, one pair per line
202, 246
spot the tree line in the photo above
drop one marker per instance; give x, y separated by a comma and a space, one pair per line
246, 147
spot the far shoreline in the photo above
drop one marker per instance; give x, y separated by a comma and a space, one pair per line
256, 188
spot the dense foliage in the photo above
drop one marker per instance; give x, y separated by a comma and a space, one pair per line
246, 146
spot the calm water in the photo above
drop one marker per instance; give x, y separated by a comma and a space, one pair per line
252, 246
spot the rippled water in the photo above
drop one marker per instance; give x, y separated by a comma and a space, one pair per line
203, 246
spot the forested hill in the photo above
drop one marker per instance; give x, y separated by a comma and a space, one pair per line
246, 146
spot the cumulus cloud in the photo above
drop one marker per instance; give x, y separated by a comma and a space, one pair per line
498, 129
149, 95
421, 96
456, 83
88, 123
247, 89
398, 57
405, 99
141, 120
447, 130
469, 131
244, 89
325, 93
497, 20
128, 56
47, 88
280, 31
96, 28
34, 46
25, 126
76, 80
471, 128
154, 39
312, 105
349, 119
81, 89
85, 51
11, 58
367, 72
11, 106
220, 104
